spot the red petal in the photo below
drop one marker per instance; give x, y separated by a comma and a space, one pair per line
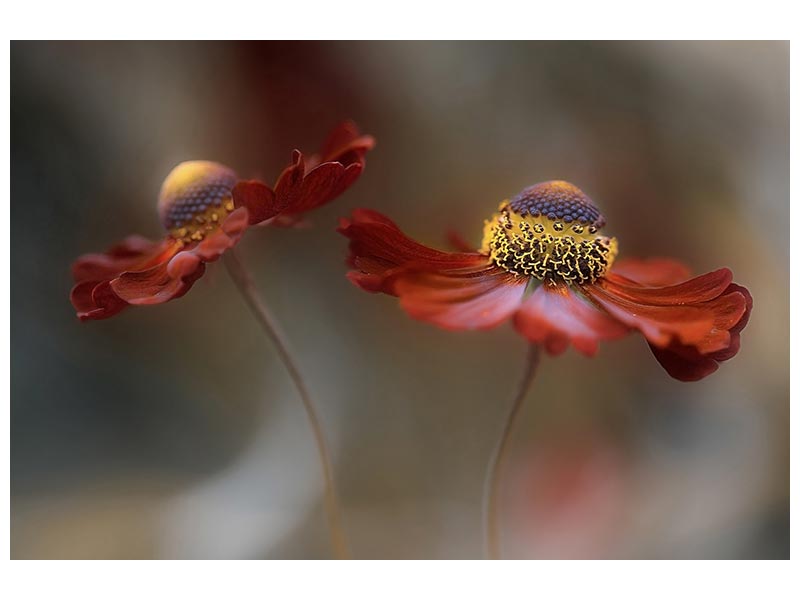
556, 316
257, 198
460, 290
223, 238
690, 326
133, 252
345, 144
93, 300
378, 248
308, 183
321, 185
92, 296
687, 364
154, 286
699, 289
471, 298
150, 278
652, 271
704, 324
173, 279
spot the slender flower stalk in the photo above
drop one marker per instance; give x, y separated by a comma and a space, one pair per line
494, 476
244, 283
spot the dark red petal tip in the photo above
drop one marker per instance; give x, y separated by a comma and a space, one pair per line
690, 326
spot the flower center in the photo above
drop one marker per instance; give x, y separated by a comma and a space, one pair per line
550, 231
195, 198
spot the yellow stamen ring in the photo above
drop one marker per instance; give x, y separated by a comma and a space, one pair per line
550, 250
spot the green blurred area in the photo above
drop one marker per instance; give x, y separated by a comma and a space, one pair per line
173, 432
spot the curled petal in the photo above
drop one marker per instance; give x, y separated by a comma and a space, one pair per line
703, 324
687, 364
133, 252
155, 285
690, 325
298, 191
94, 300
92, 296
159, 275
555, 316
308, 182
378, 249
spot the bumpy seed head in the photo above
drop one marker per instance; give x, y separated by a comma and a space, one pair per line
550, 231
195, 197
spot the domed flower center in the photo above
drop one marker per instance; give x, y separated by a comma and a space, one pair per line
195, 198
550, 231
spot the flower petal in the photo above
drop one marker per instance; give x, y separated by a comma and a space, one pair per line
308, 183
257, 198
133, 252
226, 236
94, 300
460, 299
140, 273
454, 290
690, 325
698, 289
703, 324
156, 285
555, 316
378, 248
92, 296
345, 144
685, 363
652, 271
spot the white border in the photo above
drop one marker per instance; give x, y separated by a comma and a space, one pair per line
411, 19
408, 20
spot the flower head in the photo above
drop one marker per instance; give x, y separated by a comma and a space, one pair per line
205, 210
545, 265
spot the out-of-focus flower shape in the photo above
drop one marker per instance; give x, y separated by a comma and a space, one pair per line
544, 264
206, 209
571, 495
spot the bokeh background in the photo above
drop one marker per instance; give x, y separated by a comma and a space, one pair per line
173, 431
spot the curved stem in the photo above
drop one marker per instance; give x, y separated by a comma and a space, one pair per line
497, 462
244, 282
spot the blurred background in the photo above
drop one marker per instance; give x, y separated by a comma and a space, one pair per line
173, 431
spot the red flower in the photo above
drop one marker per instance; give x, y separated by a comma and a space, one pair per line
545, 265
206, 210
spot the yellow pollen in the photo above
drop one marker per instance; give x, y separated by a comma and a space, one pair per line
195, 197
547, 248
